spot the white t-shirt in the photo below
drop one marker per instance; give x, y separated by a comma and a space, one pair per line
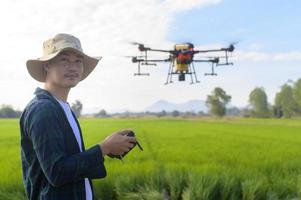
76, 132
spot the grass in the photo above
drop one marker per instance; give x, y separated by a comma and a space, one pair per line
204, 159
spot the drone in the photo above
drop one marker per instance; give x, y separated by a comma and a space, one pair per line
181, 60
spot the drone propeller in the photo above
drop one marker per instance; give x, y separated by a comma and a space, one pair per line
213, 57
136, 43
231, 47
134, 56
215, 60
134, 59
141, 47
234, 43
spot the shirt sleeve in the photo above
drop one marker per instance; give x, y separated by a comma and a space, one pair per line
47, 136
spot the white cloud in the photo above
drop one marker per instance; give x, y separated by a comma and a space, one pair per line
262, 56
289, 56
180, 5
105, 27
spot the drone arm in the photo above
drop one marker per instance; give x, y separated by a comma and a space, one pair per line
161, 50
208, 51
228, 49
202, 60
155, 60
215, 60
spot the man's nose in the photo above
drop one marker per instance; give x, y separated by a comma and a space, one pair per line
74, 65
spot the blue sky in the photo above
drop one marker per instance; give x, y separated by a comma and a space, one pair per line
275, 24
268, 53
268, 27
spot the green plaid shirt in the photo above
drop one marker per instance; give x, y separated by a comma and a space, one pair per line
53, 166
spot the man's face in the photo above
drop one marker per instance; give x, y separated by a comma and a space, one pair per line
65, 70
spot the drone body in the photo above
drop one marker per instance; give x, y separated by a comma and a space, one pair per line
181, 60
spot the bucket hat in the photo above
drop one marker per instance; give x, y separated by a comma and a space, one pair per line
53, 47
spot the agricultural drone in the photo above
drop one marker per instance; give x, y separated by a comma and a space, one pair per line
181, 60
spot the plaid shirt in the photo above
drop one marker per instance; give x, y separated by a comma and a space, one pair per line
52, 165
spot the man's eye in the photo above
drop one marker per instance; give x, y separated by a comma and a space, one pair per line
64, 59
79, 61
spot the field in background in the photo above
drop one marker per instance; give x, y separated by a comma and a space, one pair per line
184, 159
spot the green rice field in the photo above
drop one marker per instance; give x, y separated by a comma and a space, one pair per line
189, 159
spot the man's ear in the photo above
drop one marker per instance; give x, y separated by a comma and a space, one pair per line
46, 67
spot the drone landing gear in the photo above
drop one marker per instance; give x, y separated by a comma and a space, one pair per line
191, 71
169, 74
210, 74
212, 71
139, 72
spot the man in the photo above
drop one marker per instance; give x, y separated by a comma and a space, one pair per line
55, 164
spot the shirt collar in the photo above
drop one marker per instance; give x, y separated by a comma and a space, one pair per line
43, 93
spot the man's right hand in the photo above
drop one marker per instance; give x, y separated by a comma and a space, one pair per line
117, 143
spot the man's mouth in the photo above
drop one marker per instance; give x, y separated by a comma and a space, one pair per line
71, 75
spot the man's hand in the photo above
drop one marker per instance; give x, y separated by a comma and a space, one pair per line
117, 143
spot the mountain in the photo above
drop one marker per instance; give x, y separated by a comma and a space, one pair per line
192, 105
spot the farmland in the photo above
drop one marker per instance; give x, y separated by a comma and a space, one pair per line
184, 159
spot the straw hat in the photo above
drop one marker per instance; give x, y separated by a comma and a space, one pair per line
54, 46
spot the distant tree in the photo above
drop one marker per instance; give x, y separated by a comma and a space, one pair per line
163, 113
175, 113
201, 113
217, 102
77, 107
7, 111
125, 114
259, 103
102, 113
297, 94
245, 112
285, 103
189, 114
277, 111
233, 111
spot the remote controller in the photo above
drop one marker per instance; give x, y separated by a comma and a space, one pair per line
130, 134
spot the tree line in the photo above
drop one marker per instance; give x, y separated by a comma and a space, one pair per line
287, 102
7, 111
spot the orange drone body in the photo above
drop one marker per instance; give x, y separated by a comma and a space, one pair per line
184, 57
